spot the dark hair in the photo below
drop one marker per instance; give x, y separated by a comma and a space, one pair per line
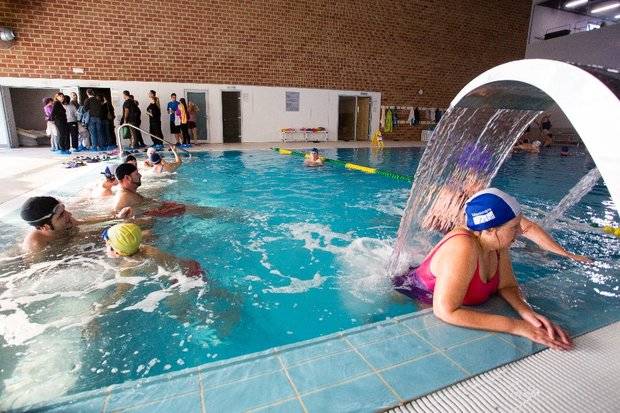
66, 100
153, 92
130, 158
173, 94
47, 100
36, 207
131, 97
125, 169
126, 93
90, 92
182, 102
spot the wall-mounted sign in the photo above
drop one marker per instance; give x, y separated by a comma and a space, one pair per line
292, 101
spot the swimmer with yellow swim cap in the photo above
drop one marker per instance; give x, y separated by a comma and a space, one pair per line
125, 240
122, 239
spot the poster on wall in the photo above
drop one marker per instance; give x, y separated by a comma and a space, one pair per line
292, 101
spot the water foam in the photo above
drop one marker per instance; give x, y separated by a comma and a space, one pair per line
297, 285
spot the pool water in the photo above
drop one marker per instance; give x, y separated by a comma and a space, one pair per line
295, 253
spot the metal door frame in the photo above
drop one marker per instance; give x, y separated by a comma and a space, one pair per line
240, 113
207, 110
357, 108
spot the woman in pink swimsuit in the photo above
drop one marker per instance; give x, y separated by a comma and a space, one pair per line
470, 264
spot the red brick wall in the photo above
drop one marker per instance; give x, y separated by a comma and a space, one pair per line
394, 47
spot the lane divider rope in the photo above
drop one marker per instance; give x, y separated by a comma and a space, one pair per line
349, 165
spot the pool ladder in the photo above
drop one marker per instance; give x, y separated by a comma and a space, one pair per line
119, 139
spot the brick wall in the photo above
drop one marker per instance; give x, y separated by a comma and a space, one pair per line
394, 47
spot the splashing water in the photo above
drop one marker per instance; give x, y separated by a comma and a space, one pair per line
580, 189
466, 150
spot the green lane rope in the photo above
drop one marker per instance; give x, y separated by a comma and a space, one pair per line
349, 165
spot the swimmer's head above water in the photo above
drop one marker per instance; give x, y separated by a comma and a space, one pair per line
494, 211
155, 158
109, 172
490, 208
128, 176
46, 213
131, 159
122, 239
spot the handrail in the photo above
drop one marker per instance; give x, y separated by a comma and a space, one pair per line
119, 140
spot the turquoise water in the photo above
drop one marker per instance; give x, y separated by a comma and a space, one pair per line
296, 253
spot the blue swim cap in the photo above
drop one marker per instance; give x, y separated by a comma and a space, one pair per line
490, 208
155, 158
109, 172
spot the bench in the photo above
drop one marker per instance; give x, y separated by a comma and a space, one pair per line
303, 134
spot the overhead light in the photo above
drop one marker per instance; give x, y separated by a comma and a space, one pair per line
617, 16
574, 3
605, 7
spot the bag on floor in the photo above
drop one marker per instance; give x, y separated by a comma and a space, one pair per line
83, 135
125, 133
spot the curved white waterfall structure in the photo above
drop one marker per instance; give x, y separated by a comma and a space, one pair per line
476, 134
588, 96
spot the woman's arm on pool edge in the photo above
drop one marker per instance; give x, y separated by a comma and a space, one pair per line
533, 325
453, 278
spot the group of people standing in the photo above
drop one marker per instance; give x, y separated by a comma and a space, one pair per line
90, 126
181, 114
182, 119
76, 127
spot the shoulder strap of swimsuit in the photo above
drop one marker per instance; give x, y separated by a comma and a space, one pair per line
444, 241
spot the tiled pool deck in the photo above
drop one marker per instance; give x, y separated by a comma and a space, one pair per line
363, 369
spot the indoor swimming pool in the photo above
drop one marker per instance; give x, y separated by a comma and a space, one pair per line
292, 254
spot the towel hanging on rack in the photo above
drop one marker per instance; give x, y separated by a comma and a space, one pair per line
382, 117
411, 119
388, 121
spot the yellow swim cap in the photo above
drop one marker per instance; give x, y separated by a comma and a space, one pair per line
125, 238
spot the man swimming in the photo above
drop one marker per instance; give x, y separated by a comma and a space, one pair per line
131, 159
314, 159
130, 180
53, 223
533, 147
105, 190
160, 165
124, 240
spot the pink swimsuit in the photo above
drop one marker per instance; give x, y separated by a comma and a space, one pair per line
419, 282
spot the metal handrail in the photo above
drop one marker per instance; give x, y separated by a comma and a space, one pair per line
119, 140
